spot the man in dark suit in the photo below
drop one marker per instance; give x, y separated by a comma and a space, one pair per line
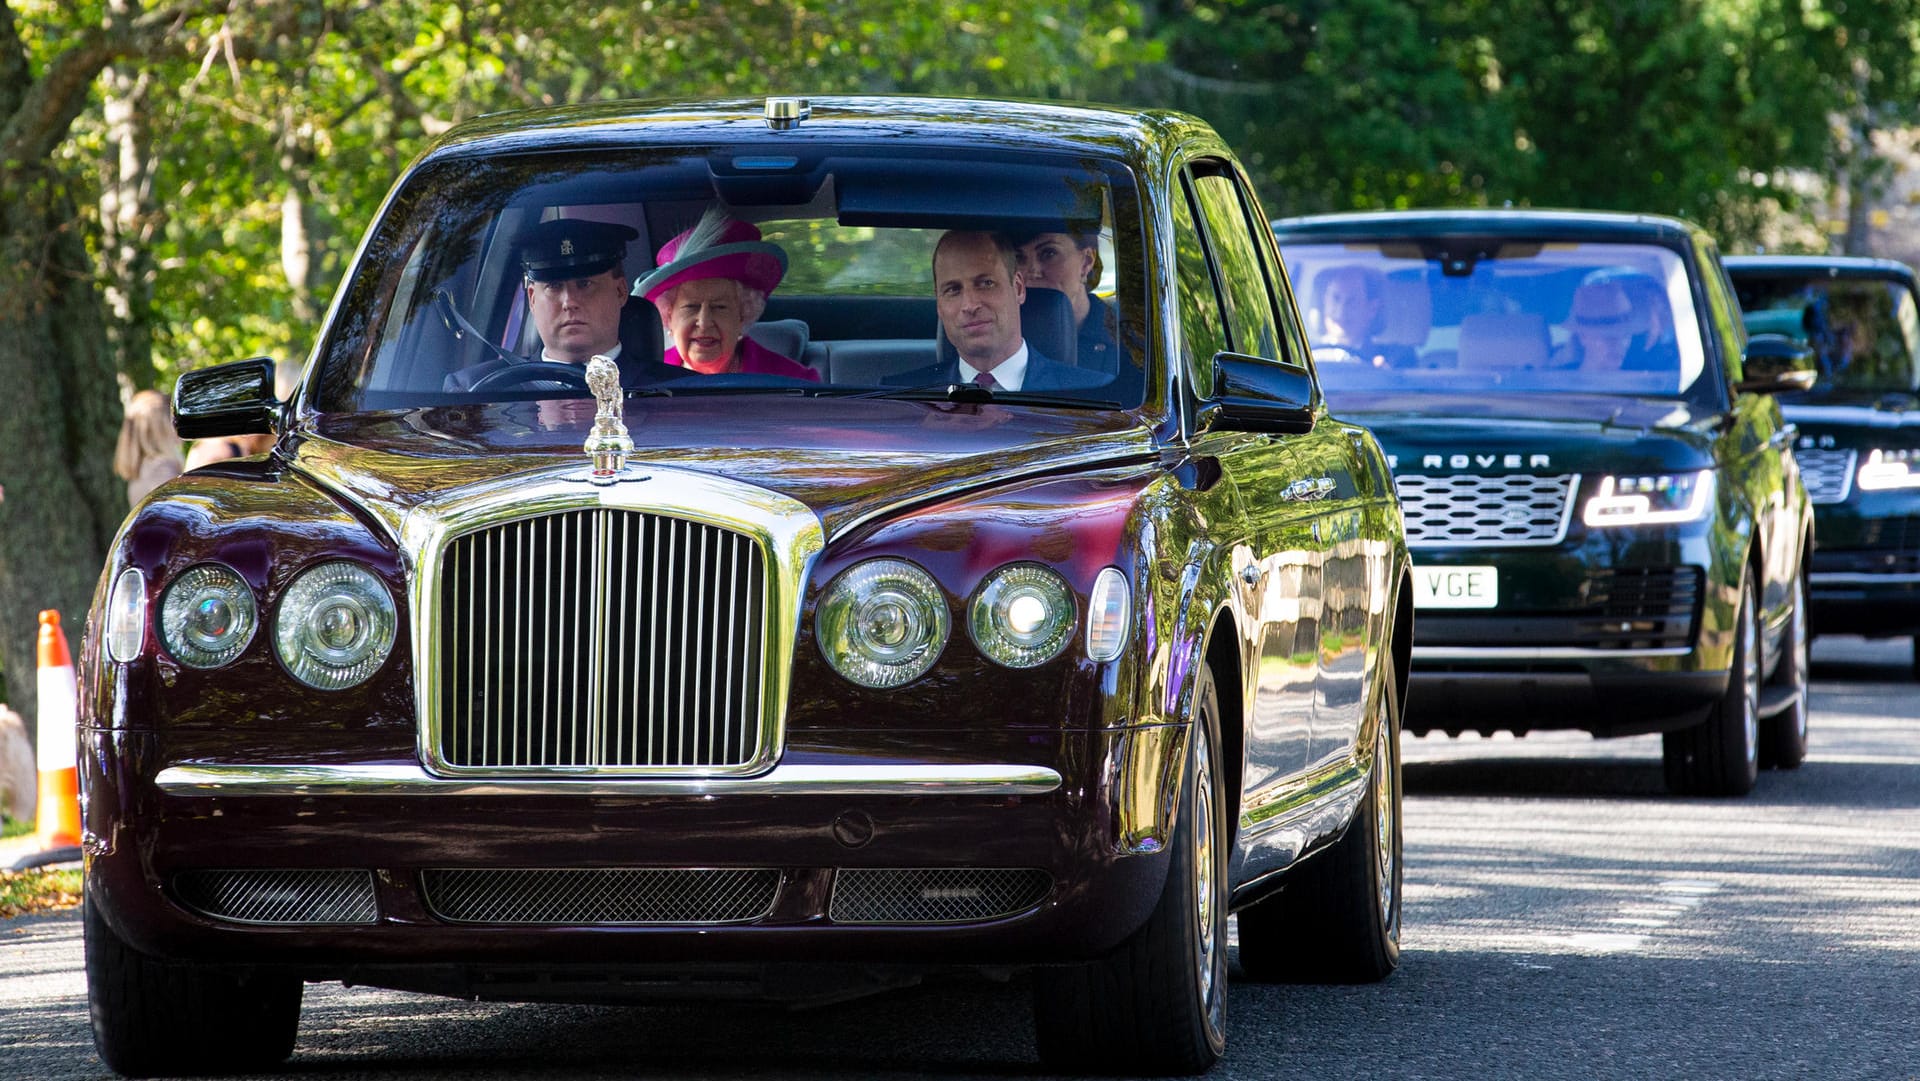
978, 290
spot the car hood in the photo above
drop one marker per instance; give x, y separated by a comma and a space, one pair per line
846, 460
1844, 411
1572, 433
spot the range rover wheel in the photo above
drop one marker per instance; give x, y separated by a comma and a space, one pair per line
1721, 755
1783, 736
154, 1017
1157, 1005
1337, 918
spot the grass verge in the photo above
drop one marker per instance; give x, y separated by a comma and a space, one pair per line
38, 890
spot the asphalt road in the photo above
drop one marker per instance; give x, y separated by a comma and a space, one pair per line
1565, 919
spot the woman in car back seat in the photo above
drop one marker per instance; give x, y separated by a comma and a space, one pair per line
711, 282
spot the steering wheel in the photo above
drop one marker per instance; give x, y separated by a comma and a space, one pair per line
534, 371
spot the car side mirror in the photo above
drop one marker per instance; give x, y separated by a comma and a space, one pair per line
1775, 363
1255, 395
226, 399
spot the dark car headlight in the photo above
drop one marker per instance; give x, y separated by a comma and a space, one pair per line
335, 626
1888, 470
1022, 616
882, 623
207, 616
1650, 499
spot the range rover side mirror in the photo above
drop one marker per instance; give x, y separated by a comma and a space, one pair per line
1775, 364
226, 399
1255, 395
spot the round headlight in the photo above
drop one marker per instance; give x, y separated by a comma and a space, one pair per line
335, 626
207, 616
882, 623
126, 615
1022, 616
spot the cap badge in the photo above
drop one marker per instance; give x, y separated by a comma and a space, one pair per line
566, 247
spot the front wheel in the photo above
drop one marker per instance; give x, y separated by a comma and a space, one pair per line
1337, 918
1157, 1005
158, 1018
1783, 736
1721, 756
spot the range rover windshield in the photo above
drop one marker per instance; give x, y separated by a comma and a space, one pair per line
1521, 318
1864, 331
445, 295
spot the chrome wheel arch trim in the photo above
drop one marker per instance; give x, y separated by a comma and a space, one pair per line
986, 779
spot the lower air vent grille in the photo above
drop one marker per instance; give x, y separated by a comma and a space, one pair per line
935, 894
601, 894
279, 895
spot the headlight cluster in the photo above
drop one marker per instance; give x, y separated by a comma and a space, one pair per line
1651, 499
334, 628
1886, 470
884, 622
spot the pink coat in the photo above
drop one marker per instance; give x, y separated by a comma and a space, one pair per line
758, 360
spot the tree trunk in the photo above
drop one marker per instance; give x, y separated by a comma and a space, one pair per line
126, 209
62, 502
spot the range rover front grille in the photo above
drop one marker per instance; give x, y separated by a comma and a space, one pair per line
1470, 510
1828, 474
601, 639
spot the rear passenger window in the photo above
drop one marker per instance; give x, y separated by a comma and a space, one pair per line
1250, 320
1202, 333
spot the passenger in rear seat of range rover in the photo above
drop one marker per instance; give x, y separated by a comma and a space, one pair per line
711, 283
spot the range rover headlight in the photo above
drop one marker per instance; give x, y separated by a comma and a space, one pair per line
1885, 470
207, 616
1650, 499
335, 626
126, 615
1022, 616
882, 623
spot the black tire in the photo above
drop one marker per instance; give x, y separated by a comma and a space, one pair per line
1157, 1005
1721, 755
1783, 736
161, 1018
1916, 656
1337, 918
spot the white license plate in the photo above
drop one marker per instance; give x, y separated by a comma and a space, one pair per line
1456, 587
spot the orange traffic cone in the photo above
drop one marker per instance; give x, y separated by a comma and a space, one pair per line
57, 818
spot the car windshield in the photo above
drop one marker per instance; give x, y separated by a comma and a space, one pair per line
1865, 331
1520, 318
444, 297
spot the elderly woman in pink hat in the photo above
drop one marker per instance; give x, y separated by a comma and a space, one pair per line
712, 282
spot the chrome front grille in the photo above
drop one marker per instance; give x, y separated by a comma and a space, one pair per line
1470, 510
601, 640
600, 894
935, 894
1828, 474
279, 895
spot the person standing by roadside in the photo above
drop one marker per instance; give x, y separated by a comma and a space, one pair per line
149, 451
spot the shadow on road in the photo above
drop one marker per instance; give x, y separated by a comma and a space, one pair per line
1577, 778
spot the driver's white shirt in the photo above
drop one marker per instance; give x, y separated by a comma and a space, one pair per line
1009, 374
611, 354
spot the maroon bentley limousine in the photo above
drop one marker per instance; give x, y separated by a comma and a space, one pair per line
777, 547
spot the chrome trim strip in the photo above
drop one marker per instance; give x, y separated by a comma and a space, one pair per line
786, 530
1538, 653
986, 779
1852, 578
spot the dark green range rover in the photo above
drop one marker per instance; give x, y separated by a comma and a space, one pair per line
1859, 443
1607, 522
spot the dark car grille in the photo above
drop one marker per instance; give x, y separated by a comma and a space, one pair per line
279, 895
1485, 511
935, 894
1625, 608
1828, 474
1885, 546
600, 894
601, 638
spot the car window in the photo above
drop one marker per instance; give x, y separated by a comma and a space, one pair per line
1203, 333
1251, 326
1865, 332
1522, 318
440, 291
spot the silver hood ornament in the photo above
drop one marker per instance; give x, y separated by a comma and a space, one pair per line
607, 444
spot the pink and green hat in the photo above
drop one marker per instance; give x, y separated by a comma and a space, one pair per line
718, 247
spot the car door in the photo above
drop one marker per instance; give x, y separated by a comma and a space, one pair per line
1279, 562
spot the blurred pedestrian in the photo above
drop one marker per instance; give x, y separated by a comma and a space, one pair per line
149, 451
